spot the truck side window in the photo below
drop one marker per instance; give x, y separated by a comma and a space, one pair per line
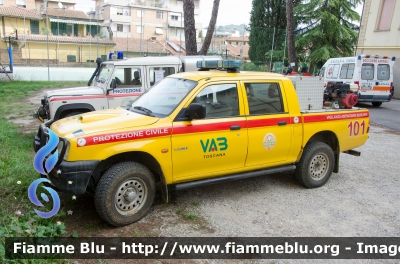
383, 72
367, 71
127, 77
156, 74
347, 71
264, 98
221, 100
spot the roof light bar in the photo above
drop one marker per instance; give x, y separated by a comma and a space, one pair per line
230, 65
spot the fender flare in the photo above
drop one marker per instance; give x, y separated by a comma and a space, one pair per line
63, 108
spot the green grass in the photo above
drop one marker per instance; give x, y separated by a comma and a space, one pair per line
11, 93
17, 172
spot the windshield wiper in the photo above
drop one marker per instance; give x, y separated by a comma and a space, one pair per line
147, 111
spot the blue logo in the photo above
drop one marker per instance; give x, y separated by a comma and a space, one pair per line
32, 196
44, 161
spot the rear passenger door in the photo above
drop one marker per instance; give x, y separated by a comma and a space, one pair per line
268, 124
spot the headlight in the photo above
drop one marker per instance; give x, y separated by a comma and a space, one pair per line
63, 148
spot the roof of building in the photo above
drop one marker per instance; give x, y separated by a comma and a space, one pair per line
246, 39
66, 13
170, 49
65, 39
235, 50
13, 11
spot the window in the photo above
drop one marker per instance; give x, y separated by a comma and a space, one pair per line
347, 71
139, 29
140, 13
264, 98
92, 29
385, 18
34, 26
367, 71
1, 2
63, 29
383, 72
128, 77
174, 18
120, 28
160, 15
156, 74
20, 3
120, 11
333, 71
221, 100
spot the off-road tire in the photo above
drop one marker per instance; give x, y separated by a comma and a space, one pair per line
376, 104
125, 193
72, 114
315, 166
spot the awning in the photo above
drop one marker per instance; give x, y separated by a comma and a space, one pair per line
80, 22
159, 31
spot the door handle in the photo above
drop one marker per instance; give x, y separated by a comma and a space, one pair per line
237, 127
282, 123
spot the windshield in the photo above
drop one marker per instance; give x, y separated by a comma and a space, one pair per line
163, 97
104, 74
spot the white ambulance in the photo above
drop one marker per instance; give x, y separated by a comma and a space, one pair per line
371, 76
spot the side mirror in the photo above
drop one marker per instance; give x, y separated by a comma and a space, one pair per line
196, 111
113, 84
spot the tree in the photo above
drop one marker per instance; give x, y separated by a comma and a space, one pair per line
190, 29
329, 31
290, 34
266, 17
210, 29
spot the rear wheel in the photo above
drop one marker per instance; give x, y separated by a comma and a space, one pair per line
315, 166
125, 193
376, 104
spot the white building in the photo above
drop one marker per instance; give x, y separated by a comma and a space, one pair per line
380, 33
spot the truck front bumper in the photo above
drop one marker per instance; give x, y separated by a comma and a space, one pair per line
72, 176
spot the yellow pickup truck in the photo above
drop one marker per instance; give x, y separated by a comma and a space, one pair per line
197, 128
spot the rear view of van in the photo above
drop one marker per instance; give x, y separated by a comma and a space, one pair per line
371, 77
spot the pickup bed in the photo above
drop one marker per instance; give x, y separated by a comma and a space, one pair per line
197, 128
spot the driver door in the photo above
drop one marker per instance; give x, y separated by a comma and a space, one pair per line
216, 145
128, 86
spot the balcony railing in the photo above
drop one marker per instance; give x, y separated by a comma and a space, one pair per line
121, 18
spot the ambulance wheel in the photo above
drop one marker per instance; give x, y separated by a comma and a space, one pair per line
125, 193
376, 104
315, 166
73, 113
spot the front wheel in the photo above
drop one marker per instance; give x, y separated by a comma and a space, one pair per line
125, 193
315, 166
376, 104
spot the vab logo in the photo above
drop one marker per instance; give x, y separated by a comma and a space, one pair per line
44, 161
214, 145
